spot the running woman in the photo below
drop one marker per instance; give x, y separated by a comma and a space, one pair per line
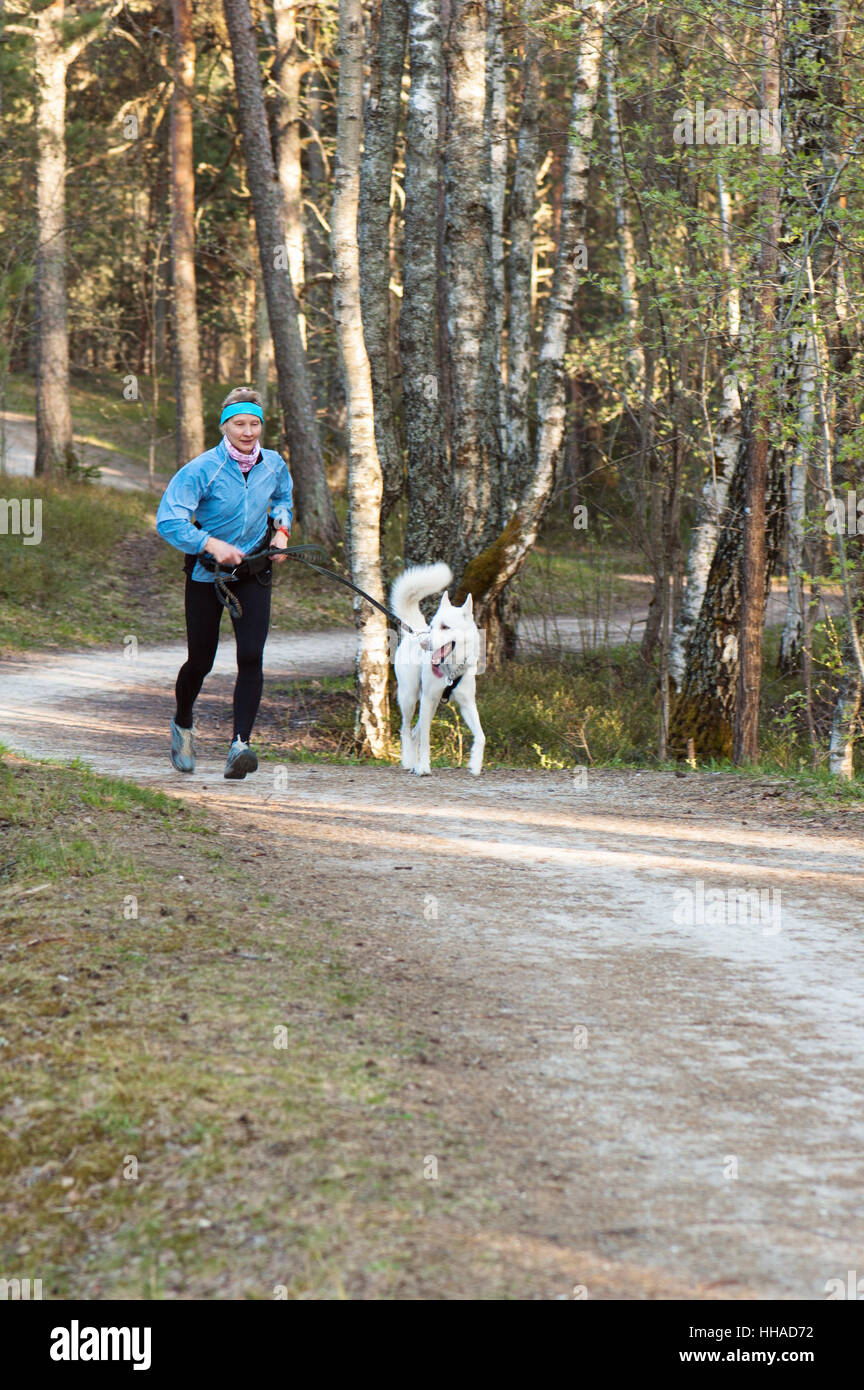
229, 491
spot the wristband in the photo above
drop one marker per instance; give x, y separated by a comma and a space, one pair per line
284, 530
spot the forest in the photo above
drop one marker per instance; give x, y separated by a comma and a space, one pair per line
515, 280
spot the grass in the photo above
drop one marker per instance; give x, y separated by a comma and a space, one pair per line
102, 573
200, 1094
102, 416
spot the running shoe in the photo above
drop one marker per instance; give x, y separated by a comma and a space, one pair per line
182, 748
241, 760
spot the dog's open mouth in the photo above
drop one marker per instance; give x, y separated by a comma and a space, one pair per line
438, 657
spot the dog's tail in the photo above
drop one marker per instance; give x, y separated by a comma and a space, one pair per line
416, 583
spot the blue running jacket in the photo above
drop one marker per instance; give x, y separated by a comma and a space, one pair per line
212, 489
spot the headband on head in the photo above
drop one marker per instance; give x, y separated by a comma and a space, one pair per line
241, 408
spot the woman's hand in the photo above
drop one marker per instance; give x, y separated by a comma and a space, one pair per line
279, 542
222, 552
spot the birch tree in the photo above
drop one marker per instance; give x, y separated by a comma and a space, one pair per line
287, 72
489, 571
755, 519
376, 176
726, 442
190, 410
314, 503
496, 147
468, 286
520, 260
54, 448
365, 482
428, 473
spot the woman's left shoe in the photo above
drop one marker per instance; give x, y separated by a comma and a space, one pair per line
241, 760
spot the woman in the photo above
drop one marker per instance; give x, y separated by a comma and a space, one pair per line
229, 492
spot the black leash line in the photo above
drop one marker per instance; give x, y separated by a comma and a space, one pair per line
293, 552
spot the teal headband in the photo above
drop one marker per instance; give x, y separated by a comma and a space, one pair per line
241, 408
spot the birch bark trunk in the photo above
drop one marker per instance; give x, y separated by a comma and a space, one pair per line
704, 709
365, 483
486, 575
376, 177
846, 720
314, 503
792, 636
626, 244
428, 472
470, 322
287, 73
520, 264
54, 446
755, 518
715, 490
496, 144
808, 61
190, 406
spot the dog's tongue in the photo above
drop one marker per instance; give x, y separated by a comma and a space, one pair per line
438, 657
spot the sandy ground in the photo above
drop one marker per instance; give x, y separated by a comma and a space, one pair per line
651, 1081
20, 454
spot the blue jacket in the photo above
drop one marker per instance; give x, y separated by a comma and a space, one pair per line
232, 508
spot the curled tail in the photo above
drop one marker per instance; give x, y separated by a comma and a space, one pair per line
416, 583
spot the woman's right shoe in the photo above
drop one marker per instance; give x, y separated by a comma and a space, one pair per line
182, 748
241, 759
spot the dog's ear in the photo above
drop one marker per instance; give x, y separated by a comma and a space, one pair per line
468, 606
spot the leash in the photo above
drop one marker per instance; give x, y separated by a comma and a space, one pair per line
223, 574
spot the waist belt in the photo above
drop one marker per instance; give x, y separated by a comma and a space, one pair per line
257, 562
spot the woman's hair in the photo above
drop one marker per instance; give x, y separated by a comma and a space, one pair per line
241, 393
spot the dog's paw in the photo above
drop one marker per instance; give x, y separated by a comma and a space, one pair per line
422, 771
475, 771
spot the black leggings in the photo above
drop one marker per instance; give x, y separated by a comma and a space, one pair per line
203, 615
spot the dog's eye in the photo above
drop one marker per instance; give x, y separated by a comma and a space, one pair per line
445, 627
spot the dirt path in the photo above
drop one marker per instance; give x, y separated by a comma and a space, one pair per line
664, 1105
117, 470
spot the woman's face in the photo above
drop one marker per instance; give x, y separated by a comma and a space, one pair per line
243, 431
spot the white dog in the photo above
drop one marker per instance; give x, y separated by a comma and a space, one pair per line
434, 659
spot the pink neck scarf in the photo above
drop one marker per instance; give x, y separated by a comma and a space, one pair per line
246, 461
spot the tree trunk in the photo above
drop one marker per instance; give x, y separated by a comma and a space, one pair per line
626, 245
314, 503
263, 341
376, 176
496, 145
808, 61
487, 574
755, 520
428, 475
365, 484
287, 72
54, 446
474, 453
187, 365
846, 723
704, 709
520, 263
715, 490
793, 627
319, 293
